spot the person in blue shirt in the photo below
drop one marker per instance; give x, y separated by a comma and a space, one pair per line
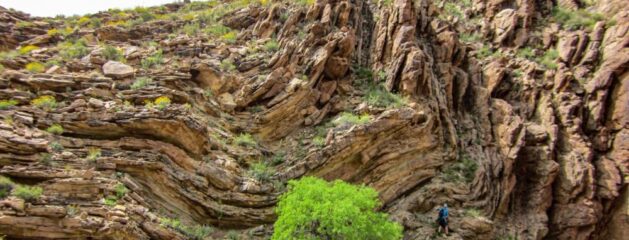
442, 220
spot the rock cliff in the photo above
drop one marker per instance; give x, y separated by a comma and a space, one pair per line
186, 121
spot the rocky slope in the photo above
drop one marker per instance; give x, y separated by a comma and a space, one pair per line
514, 112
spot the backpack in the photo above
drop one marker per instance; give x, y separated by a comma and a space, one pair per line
443, 213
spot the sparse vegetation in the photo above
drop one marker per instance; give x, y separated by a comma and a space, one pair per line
6, 104
45, 102
230, 37
141, 82
120, 190
260, 171
93, 153
112, 53
575, 19
484, 52
195, 232
155, 59
55, 129
473, 212
73, 49
526, 52
45, 159
55, 146
245, 140
271, 45
191, 29
347, 118
6, 185
315, 209
318, 141
110, 201
27, 49
162, 102
228, 65
28, 193
470, 37
35, 67
461, 171
549, 58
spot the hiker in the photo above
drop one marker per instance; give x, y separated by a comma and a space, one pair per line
442, 220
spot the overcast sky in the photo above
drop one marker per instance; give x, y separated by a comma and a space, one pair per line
51, 8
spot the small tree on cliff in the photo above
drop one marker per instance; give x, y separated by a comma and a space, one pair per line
315, 209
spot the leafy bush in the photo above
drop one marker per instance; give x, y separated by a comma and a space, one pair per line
195, 232
35, 67
155, 59
162, 102
141, 82
6, 104
27, 49
347, 118
6, 185
271, 45
245, 139
55, 129
260, 171
27, 193
45, 102
278, 158
376, 95
93, 153
315, 209
112, 53
73, 49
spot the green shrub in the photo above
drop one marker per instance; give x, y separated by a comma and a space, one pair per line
260, 171
228, 65
470, 37
549, 58
278, 158
45, 102
526, 52
230, 37
6, 104
231, 235
96, 23
27, 193
195, 232
162, 102
9, 55
141, 82
27, 49
191, 29
217, 30
271, 45
45, 159
246, 140
461, 171
347, 118
318, 141
575, 19
315, 209
6, 185
111, 201
93, 153
55, 129
376, 95
120, 190
484, 52
112, 53
35, 67
155, 59
56, 146
73, 49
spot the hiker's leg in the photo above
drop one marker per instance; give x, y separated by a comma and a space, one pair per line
446, 227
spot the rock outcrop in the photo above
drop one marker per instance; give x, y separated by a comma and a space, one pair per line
512, 114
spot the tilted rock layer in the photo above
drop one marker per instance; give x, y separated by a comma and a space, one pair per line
513, 114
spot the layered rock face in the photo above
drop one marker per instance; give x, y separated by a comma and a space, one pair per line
512, 112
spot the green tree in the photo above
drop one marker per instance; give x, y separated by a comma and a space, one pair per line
315, 209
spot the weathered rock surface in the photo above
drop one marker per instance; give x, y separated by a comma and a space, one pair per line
518, 147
